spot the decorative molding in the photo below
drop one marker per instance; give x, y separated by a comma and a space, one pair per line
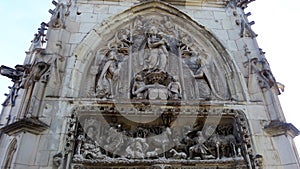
29, 124
201, 3
278, 128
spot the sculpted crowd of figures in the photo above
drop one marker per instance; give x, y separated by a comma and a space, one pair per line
158, 143
116, 141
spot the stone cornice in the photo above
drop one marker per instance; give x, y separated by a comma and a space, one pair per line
209, 3
203, 3
32, 125
278, 128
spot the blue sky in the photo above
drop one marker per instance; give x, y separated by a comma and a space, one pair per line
278, 29
277, 26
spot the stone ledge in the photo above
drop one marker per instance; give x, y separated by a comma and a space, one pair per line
278, 128
202, 3
182, 163
32, 125
198, 3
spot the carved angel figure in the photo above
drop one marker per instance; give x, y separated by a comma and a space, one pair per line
201, 80
109, 74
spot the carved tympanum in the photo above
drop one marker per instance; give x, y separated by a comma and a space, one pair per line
137, 57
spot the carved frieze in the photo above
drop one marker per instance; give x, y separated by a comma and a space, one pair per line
102, 137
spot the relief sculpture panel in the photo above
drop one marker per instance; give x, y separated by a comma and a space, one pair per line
152, 57
111, 140
151, 83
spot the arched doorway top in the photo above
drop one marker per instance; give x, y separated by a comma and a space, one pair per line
188, 44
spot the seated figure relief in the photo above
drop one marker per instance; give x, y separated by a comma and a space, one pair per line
156, 50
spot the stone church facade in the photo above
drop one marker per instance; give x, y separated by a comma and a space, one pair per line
145, 84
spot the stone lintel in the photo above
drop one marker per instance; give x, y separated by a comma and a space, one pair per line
32, 125
186, 107
278, 128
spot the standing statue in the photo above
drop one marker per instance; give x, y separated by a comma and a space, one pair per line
156, 53
174, 89
108, 76
266, 75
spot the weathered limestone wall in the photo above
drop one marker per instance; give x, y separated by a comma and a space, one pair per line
226, 24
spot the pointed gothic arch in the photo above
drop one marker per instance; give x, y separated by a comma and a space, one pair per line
9, 155
102, 38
